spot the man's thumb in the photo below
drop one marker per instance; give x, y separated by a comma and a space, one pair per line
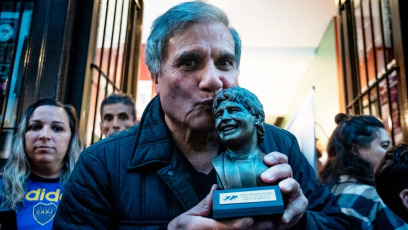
204, 207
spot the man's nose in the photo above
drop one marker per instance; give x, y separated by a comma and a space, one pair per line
116, 123
211, 79
225, 116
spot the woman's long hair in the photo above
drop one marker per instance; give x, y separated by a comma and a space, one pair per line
17, 169
343, 156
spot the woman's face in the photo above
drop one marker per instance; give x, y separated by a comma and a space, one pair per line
47, 139
376, 151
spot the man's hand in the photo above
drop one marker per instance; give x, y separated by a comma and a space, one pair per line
295, 202
196, 218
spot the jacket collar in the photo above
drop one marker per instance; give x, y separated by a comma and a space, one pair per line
153, 138
155, 148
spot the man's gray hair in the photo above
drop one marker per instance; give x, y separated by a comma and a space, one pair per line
177, 19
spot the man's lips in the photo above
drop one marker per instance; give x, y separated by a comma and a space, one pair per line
228, 128
205, 104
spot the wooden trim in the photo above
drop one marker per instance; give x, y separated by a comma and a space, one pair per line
66, 51
136, 52
84, 115
133, 42
399, 18
342, 104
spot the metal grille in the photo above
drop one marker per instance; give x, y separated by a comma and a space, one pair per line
15, 27
111, 58
370, 71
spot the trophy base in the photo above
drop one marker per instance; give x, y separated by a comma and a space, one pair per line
259, 202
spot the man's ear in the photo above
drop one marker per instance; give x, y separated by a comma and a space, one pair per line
155, 80
404, 198
100, 126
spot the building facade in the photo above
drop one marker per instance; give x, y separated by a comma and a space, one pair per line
74, 51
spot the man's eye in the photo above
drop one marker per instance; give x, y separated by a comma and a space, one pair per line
218, 114
108, 118
234, 110
225, 64
123, 117
189, 63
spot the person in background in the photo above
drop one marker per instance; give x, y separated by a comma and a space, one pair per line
154, 175
356, 145
118, 113
319, 155
391, 180
43, 154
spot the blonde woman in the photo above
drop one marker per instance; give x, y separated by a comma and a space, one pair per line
44, 152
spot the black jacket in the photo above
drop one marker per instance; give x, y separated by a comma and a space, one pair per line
136, 180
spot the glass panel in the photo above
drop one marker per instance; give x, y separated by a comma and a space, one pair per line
395, 115
349, 110
115, 40
375, 53
5, 142
368, 42
108, 59
386, 21
110, 89
378, 38
95, 100
14, 36
112, 21
102, 95
108, 37
115, 74
100, 38
355, 108
366, 105
345, 57
385, 108
119, 72
92, 104
360, 46
374, 102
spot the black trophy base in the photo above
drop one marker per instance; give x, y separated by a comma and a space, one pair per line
259, 202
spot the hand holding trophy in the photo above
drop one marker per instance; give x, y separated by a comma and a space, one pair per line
239, 121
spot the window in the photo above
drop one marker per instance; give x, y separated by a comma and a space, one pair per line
15, 26
114, 59
371, 74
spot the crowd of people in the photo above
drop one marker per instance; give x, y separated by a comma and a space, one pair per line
355, 147
161, 172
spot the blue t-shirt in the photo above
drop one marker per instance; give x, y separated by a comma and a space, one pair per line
40, 203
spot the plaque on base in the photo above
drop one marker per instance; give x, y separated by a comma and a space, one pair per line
258, 202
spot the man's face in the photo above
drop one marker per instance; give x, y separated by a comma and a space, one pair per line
234, 124
116, 117
199, 63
